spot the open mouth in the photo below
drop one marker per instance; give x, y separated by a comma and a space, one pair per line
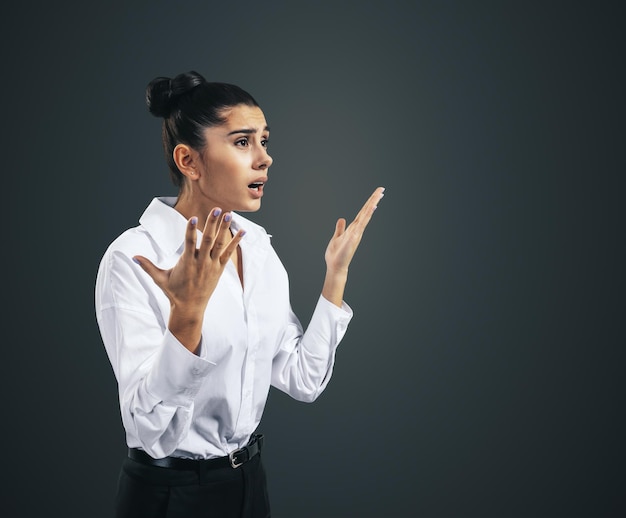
256, 186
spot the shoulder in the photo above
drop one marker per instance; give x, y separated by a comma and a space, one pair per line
116, 265
132, 241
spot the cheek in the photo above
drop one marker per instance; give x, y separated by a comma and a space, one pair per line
224, 172
227, 162
216, 167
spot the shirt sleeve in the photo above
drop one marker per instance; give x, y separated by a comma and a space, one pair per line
304, 362
158, 378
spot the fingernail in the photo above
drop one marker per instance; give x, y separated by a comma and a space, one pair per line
135, 260
217, 212
194, 220
227, 218
242, 233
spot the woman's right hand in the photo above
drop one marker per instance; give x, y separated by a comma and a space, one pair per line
192, 280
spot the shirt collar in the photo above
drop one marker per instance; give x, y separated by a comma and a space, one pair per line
167, 226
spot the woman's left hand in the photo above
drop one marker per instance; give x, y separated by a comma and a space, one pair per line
345, 241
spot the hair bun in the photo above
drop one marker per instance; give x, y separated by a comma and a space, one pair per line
163, 93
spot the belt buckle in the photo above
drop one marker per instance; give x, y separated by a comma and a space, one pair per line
232, 457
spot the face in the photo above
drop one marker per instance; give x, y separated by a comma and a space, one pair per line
235, 162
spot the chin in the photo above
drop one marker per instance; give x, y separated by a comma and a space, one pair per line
250, 207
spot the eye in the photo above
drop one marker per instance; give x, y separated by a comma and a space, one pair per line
265, 142
241, 142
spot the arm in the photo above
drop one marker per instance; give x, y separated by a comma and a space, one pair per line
158, 379
303, 366
155, 358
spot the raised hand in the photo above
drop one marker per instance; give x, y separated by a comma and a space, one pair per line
192, 280
345, 241
343, 245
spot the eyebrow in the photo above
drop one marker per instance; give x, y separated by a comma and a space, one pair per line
248, 131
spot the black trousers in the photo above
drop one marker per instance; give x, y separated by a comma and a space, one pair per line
156, 492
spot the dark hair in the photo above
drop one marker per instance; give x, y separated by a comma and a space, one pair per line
188, 104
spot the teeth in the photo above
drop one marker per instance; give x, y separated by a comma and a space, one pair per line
255, 185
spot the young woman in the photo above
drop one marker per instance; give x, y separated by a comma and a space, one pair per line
193, 308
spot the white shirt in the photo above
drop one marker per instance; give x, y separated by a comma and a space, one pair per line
174, 402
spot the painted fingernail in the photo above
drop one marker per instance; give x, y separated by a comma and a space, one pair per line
217, 212
194, 220
242, 233
228, 217
135, 260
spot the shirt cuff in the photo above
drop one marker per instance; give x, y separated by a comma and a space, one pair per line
342, 313
327, 327
177, 373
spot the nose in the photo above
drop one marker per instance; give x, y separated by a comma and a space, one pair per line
264, 160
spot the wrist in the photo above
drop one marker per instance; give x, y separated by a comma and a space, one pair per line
186, 326
337, 274
186, 315
334, 286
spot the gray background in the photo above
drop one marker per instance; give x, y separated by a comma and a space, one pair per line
482, 374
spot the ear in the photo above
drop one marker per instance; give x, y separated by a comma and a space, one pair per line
186, 160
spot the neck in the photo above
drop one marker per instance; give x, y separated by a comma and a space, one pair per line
190, 206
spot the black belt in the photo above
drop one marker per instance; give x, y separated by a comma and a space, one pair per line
234, 459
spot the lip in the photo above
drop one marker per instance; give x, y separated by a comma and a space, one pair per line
258, 192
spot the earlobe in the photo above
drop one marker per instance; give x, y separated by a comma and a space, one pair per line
183, 157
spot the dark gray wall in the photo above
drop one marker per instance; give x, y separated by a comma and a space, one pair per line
482, 374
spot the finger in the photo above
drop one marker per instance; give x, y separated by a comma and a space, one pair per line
190, 237
223, 237
340, 227
365, 214
370, 205
157, 274
209, 232
372, 202
231, 247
